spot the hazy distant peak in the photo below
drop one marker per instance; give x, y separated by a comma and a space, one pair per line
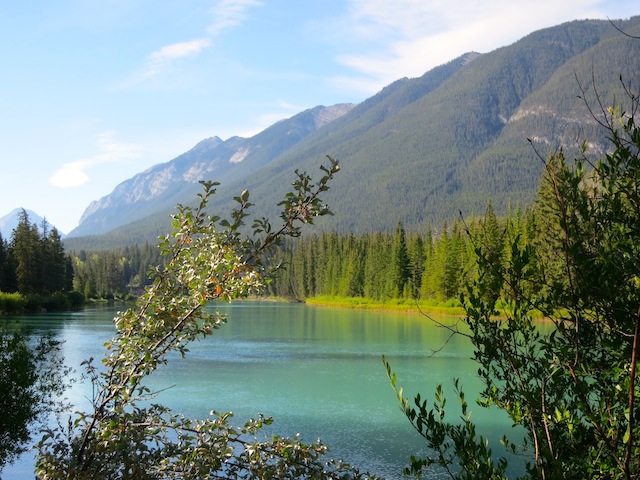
10, 221
161, 186
207, 144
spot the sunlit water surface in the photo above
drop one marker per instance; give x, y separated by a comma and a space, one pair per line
316, 371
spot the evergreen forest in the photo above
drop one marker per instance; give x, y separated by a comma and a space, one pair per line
397, 266
430, 267
114, 273
35, 271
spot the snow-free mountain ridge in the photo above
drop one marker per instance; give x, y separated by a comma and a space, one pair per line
419, 151
162, 186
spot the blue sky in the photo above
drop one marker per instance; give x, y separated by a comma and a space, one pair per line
94, 91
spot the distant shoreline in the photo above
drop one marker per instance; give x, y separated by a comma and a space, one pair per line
393, 306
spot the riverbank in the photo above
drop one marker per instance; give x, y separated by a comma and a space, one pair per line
430, 307
14, 303
450, 308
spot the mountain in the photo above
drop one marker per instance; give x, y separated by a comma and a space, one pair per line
10, 221
419, 151
161, 187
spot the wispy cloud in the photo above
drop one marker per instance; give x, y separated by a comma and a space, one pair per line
409, 37
74, 174
160, 59
229, 13
226, 14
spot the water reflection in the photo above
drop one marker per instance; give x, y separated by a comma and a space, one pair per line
317, 371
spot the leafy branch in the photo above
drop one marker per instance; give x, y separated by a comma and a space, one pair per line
207, 259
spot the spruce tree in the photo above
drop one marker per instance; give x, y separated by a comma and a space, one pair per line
54, 263
416, 252
399, 262
27, 252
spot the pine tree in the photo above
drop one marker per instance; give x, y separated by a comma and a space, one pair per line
434, 280
54, 264
416, 251
453, 263
7, 268
310, 254
26, 247
377, 284
351, 282
399, 262
548, 236
492, 245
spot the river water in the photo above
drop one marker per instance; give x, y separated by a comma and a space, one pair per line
316, 371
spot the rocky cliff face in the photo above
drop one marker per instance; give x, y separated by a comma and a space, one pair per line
161, 186
155, 181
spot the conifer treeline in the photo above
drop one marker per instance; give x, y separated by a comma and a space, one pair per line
435, 264
431, 265
33, 261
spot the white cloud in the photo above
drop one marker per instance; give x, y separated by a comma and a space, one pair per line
160, 59
179, 50
226, 14
409, 37
70, 175
73, 174
229, 13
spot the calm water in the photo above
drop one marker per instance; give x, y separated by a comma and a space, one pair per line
317, 371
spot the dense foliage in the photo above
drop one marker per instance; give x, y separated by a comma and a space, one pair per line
571, 386
382, 266
114, 273
33, 260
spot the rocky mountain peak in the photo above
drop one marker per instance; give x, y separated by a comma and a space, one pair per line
158, 187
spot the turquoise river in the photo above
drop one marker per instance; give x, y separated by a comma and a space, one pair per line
316, 371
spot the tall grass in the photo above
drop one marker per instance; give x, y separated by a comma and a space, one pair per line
11, 302
450, 307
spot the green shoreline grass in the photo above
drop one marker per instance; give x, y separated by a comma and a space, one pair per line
430, 307
450, 308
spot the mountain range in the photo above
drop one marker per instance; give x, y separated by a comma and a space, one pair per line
420, 151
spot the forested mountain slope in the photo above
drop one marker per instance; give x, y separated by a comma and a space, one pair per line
423, 149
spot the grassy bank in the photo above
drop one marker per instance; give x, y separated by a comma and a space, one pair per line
15, 303
429, 307
395, 305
